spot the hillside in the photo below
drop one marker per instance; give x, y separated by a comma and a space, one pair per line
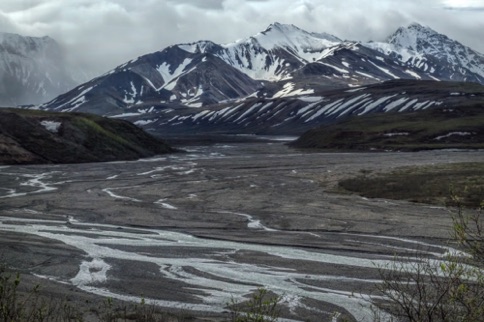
31, 137
458, 127
296, 115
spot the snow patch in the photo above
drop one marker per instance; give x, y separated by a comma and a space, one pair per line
145, 122
169, 76
248, 112
375, 104
307, 108
341, 70
324, 109
352, 102
452, 134
125, 115
355, 90
412, 73
396, 134
288, 90
395, 104
310, 99
51, 126
386, 71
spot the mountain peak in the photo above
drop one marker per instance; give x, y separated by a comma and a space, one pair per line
274, 25
426, 41
290, 36
418, 26
414, 36
281, 27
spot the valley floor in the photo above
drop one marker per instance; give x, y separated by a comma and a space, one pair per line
190, 231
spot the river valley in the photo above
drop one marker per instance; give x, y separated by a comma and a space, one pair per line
191, 231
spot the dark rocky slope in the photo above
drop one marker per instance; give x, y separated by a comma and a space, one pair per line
296, 115
458, 127
28, 137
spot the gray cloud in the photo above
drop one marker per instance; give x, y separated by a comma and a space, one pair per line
206, 4
106, 33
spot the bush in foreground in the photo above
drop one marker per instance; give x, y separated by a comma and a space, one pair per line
443, 291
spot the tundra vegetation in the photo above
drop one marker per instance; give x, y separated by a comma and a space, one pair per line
459, 127
36, 137
18, 303
449, 290
431, 290
30, 305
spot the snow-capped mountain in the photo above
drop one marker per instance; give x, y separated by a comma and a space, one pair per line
426, 41
422, 49
283, 62
200, 73
274, 53
32, 70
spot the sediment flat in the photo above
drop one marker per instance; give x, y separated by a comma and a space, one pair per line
190, 231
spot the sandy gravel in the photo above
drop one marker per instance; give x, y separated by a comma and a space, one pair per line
191, 230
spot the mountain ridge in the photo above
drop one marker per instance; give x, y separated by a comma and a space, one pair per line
281, 62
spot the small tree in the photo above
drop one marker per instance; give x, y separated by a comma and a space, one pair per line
20, 306
468, 231
450, 290
262, 307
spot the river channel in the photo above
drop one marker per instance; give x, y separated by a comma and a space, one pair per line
192, 231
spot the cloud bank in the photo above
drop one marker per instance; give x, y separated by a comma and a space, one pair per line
102, 34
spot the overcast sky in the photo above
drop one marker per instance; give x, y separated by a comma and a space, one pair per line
106, 33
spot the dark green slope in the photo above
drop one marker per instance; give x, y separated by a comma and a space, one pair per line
28, 137
459, 127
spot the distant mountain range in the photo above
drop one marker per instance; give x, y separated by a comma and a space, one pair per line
34, 70
268, 82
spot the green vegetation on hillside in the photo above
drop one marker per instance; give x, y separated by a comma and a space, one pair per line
427, 184
442, 128
31, 136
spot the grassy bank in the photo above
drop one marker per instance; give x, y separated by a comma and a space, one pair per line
438, 184
443, 128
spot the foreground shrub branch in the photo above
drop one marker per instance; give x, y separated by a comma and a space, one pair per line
445, 291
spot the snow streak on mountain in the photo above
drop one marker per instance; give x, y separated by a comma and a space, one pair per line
191, 81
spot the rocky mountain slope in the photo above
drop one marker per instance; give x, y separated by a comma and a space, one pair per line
33, 70
28, 136
282, 79
296, 114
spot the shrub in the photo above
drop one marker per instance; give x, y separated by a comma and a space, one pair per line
262, 307
444, 291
